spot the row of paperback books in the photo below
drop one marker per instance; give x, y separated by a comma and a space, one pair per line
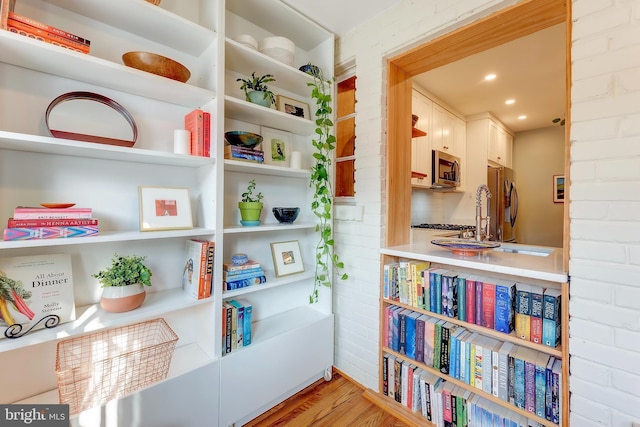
443, 403
31, 28
197, 275
198, 123
522, 376
476, 299
30, 223
237, 325
241, 276
233, 152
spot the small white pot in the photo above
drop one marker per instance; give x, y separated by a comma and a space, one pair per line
118, 299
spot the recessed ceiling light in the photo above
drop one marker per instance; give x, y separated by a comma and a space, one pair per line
522, 117
510, 101
490, 77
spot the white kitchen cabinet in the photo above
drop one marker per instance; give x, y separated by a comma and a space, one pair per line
499, 140
421, 145
292, 340
446, 133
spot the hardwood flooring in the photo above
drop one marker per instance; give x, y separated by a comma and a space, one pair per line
336, 403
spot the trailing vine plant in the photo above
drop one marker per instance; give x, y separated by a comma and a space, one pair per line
324, 143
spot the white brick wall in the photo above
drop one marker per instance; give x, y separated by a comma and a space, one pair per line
605, 196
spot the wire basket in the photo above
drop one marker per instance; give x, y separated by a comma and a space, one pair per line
95, 368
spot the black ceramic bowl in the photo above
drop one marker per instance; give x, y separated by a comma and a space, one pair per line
286, 215
241, 138
310, 69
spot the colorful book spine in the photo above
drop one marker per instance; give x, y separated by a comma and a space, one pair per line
551, 318
239, 338
391, 374
536, 314
44, 36
478, 302
211, 250
206, 143
410, 331
523, 311
471, 300
239, 155
541, 383
194, 123
395, 328
48, 28
385, 374
26, 213
242, 274
488, 304
504, 311
461, 287
243, 283
246, 266
49, 232
247, 333
35, 223
519, 378
429, 340
420, 322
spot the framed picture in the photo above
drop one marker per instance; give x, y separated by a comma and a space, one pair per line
287, 258
293, 107
164, 208
276, 145
558, 188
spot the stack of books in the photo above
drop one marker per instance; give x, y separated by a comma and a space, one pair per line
37, 30
198, 123
237, 322
29, 223
241, 276
234, 152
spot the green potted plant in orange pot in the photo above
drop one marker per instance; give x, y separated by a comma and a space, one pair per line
123, 283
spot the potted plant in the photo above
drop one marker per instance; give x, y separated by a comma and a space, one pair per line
123, 283
251, 205
256, 90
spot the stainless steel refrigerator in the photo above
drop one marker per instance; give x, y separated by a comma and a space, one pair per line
504, 204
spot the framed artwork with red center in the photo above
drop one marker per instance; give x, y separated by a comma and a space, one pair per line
164, 208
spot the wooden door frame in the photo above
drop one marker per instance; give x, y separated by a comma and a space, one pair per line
516, 21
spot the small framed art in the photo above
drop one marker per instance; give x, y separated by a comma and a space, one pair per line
287, 258
558, 189
293, 107
164, 208
276, 145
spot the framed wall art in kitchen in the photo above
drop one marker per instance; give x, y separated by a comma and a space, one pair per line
558, 188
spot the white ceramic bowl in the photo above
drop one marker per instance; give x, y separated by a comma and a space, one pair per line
248, 41
279, 48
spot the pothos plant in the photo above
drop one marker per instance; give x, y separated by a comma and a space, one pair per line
324, 144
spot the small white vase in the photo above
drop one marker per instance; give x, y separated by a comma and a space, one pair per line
118, 299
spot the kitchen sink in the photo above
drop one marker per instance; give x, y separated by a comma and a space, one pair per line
524, 250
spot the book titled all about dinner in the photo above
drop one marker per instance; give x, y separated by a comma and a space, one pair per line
35, 291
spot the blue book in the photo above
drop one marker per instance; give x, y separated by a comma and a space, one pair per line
402, 334
247, 323
395, 328
449, 294
420, 328
242, 274
243, 283
518, 376
239, 323
410, 332
541, 383
505, 305
551, 317
548, 395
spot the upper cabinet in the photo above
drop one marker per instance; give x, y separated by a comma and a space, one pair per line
447, 131
495, 138
421, 144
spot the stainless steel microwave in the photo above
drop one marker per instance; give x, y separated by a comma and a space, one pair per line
445, 170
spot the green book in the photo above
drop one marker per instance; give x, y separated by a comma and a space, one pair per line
437, 344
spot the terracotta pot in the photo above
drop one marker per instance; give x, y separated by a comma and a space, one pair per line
118, 299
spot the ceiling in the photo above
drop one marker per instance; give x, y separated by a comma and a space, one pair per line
530, 70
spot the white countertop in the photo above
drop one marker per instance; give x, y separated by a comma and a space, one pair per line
517, 264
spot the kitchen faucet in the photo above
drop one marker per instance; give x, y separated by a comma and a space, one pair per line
481, 233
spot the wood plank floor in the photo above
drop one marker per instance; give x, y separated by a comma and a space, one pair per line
336, 403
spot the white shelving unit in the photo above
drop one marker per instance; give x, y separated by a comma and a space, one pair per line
292, 339
292, 342
36, 167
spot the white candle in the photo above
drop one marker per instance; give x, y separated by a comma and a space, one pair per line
181, 141
296, 160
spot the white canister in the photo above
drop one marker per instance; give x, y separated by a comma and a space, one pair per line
181, 141
296, 160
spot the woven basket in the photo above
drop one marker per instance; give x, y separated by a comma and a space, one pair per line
95, 368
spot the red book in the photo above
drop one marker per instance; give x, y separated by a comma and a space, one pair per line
208, 278
62, 222
38, 34
48, 28
488, 304
194, 123
206, 149
471, 299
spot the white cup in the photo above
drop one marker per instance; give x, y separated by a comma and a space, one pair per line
296, 160
181, 141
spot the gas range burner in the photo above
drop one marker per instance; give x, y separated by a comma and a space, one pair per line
454, 227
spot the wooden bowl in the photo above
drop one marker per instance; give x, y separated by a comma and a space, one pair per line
157, 64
